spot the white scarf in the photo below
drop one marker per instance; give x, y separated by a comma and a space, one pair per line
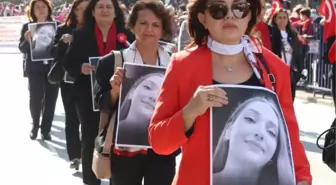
132, 55
244, 45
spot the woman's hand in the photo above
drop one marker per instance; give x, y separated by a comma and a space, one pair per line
204, 98
27, 35
87, 68
66, 38
115, 83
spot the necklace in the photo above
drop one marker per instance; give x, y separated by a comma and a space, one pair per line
229, 69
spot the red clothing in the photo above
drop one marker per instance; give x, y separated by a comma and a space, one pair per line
294, 19
166, 131
332, 53
306, 29
265, 35
105, 48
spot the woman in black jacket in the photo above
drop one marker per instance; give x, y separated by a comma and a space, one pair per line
102, 32
286, 45
43, 95
62, 40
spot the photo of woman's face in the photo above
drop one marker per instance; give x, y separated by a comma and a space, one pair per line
145, 95
43, 37
256, 130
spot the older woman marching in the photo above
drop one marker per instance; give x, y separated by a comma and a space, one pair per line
43, 95
222, 53
149, 21
103, 21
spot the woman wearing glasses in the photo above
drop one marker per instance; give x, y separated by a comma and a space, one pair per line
224, 54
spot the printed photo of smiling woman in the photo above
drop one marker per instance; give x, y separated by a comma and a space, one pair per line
137, 108
42, 40
253, 147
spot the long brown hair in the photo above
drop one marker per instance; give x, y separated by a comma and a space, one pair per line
71, 19
31, 14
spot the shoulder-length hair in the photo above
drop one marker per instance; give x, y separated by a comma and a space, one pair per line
289, 29
31, 14
126, 104
197, 31
71, 20
158, 8
89, 20
281, 156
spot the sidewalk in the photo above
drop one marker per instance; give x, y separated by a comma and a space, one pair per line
9, 50
318, 98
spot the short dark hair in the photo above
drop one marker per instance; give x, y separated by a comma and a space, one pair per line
158, 8
197, 31
31, 14
71, 19
305, 11
89, 20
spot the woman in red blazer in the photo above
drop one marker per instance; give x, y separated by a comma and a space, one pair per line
222, 54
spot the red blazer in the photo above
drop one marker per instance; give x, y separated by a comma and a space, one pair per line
188, 70
332, 53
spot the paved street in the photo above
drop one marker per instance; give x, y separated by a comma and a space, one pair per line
45, 163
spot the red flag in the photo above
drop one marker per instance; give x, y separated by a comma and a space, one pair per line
321, 8
327, 9
276, 4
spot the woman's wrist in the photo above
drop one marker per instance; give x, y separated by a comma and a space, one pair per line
188, 118
114, 96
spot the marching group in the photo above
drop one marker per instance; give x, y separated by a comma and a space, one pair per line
225, 41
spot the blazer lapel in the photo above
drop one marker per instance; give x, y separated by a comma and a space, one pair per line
204, 66
91, 36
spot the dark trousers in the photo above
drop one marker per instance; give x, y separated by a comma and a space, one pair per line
152, 168
89, 121
295, 78
293, 88
43, 97
72, 134
333, 85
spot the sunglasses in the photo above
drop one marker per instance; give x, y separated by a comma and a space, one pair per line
219, 11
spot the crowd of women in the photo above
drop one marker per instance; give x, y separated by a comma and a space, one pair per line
222, 51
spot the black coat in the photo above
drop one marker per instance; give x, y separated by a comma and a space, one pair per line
83, 46
60, 48
297, 56
24, 46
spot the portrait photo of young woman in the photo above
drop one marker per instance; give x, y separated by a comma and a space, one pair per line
94, 62
42, 40
139, 92
250, 140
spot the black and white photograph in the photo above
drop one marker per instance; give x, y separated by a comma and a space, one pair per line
42, 39
249, 139
168, 47
139, 91
94, 62
68, 79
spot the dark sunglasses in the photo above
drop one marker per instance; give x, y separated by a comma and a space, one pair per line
219, 11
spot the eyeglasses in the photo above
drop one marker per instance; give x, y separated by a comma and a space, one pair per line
219, 11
